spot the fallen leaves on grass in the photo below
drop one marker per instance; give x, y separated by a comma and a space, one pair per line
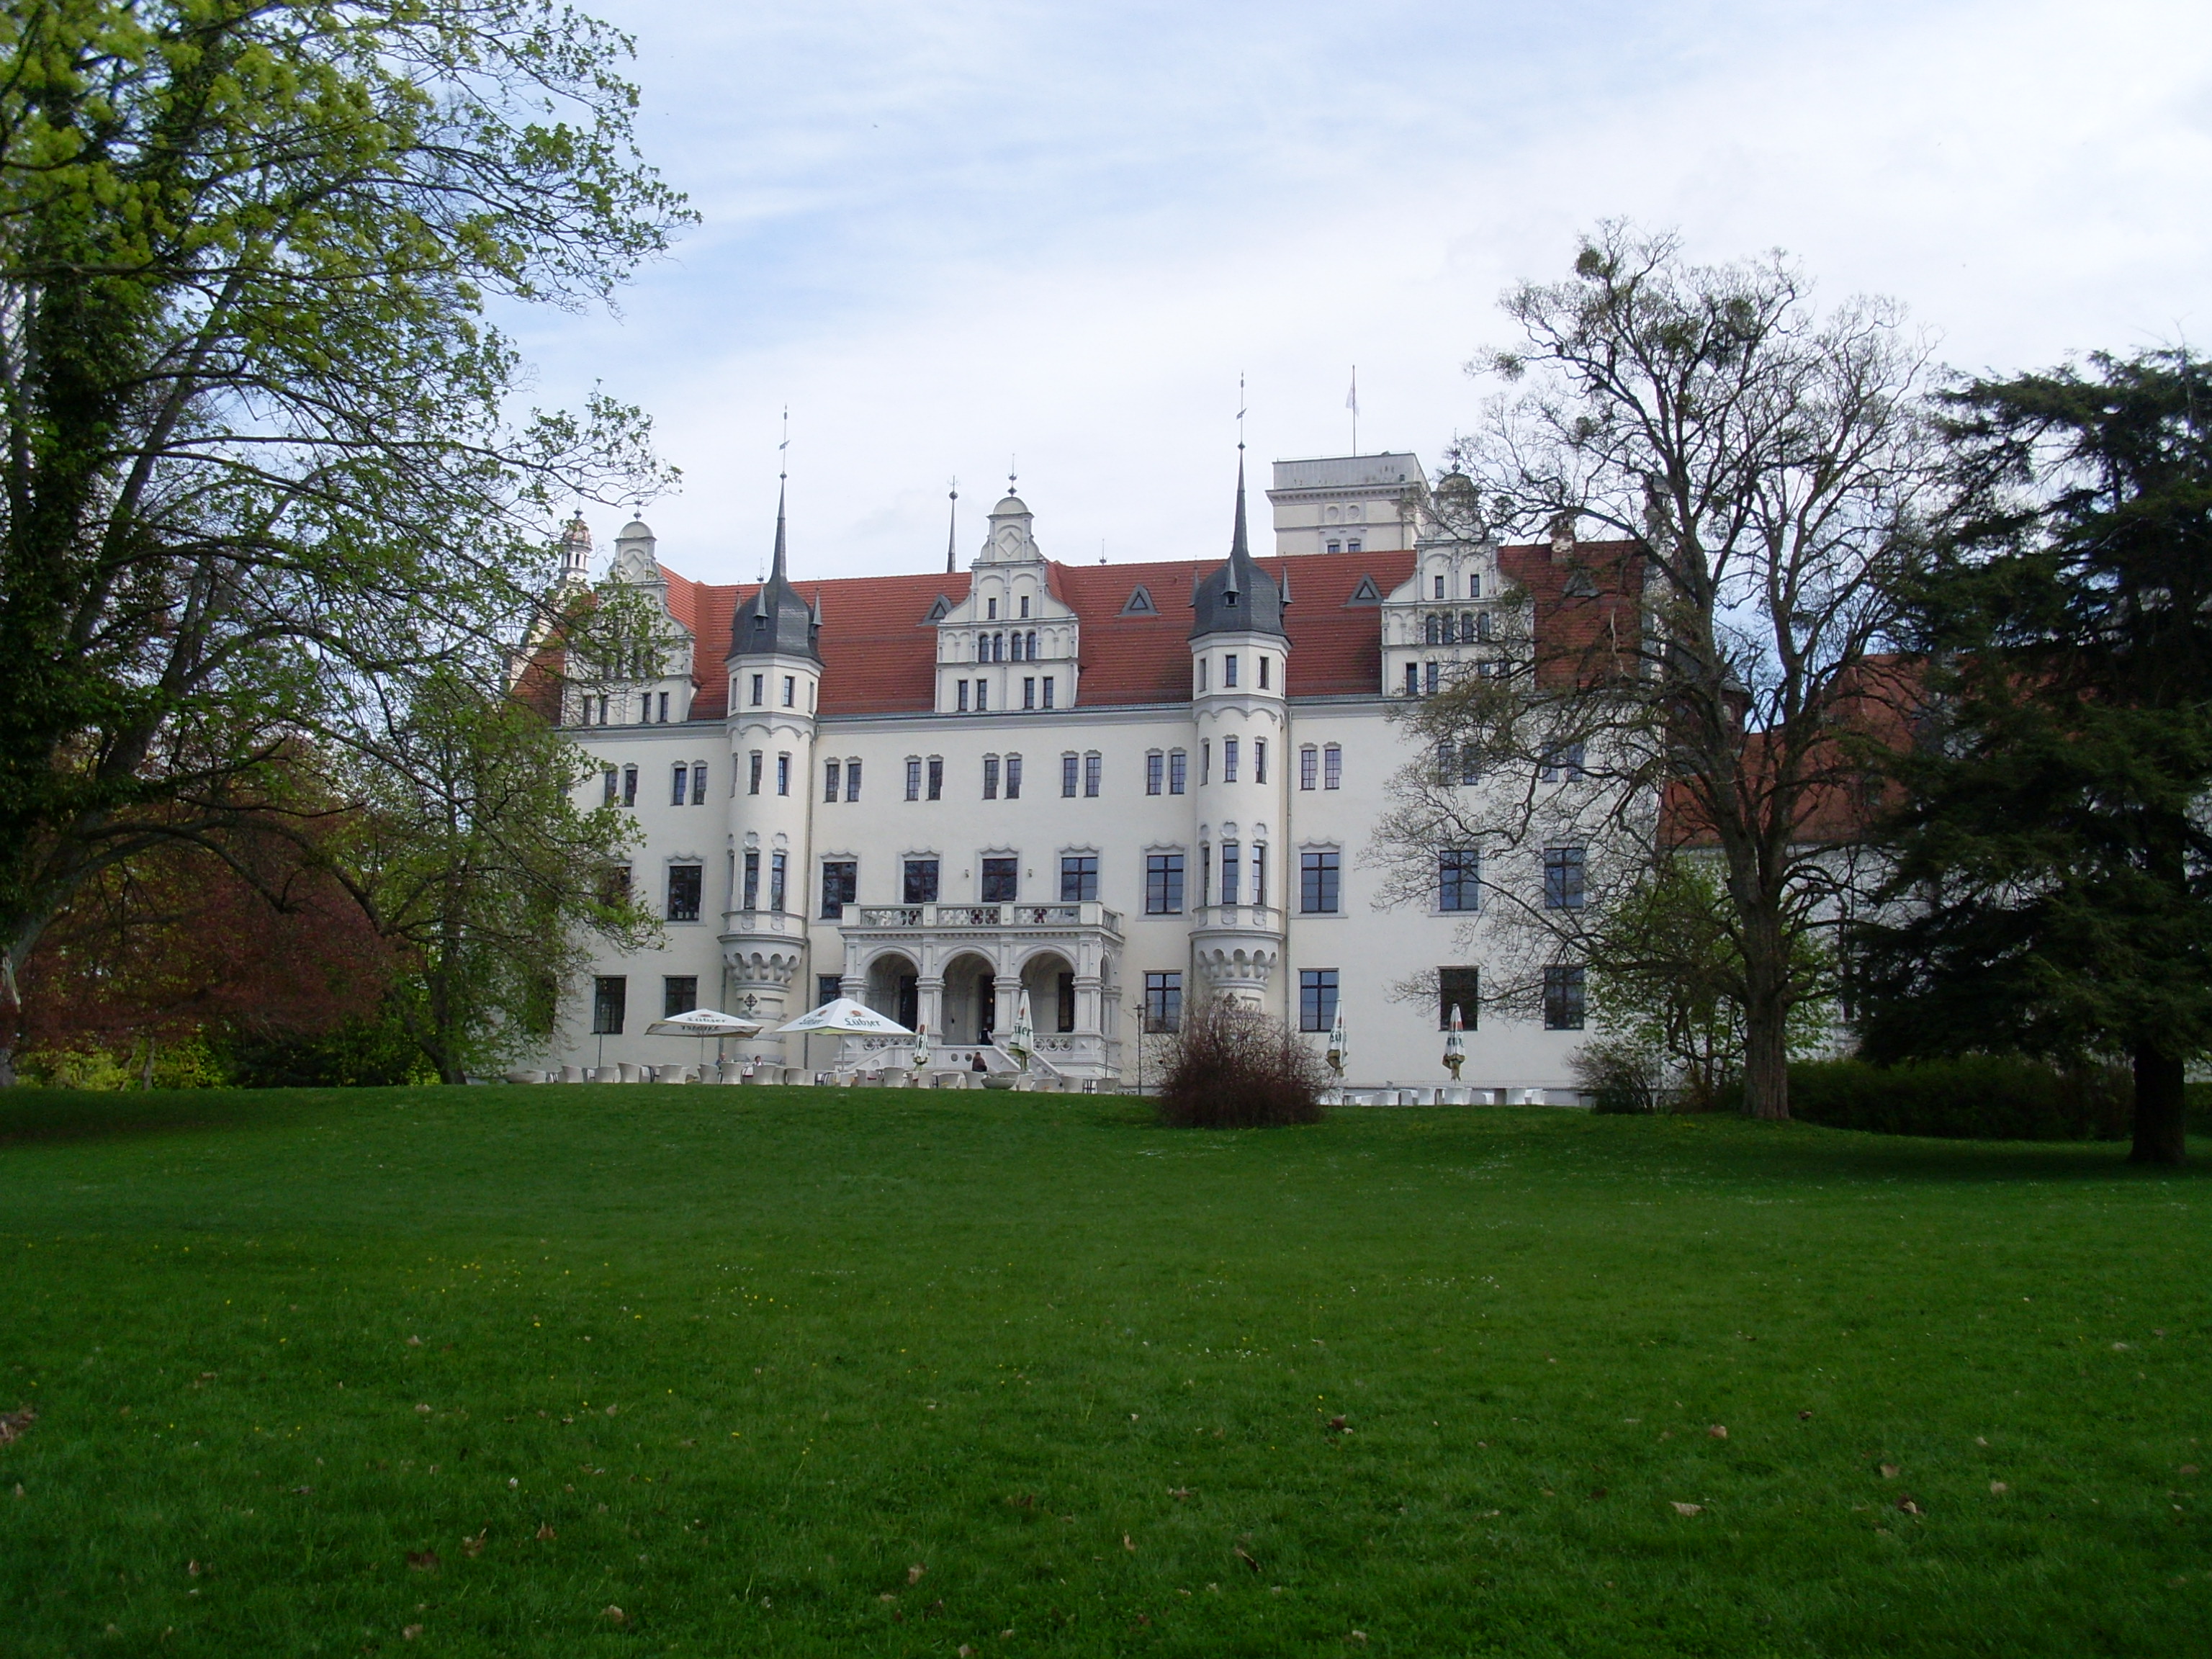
1716, 1433
422, 1410
1908, 1507
2189, 1468
1178, 1491
1804, 1416
192, 1568
474, 1546
423, 1561
1244, 1555
408, 1632
1127, 1545
1890, 1470
13, 1423
1337, 1426
615, 1616
1997, 1489
1689, 1509
544, 1531
914, 1573
414, 1341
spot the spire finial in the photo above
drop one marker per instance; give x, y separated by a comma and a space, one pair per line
952, 527
1010, 491
1241, 407
782, 460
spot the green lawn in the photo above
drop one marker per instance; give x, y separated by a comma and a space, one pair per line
803, 1372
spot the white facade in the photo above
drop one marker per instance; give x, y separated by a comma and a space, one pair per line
1348, 503
1000, 836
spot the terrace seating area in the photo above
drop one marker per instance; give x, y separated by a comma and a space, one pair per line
738, 1071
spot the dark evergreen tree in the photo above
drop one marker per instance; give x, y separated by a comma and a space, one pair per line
2052, 884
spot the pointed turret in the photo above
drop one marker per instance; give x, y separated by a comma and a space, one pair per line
1239, 597
575, 550
777, 622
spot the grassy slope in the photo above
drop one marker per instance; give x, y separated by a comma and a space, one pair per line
842, 1335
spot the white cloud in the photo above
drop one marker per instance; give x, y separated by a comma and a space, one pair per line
949, 233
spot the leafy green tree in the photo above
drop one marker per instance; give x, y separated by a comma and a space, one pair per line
1666, 975
259, 454
471, 858
2052, 886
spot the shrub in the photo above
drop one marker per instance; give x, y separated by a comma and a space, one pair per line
368, 1051
1233, 1067
1974, 1097
1621, 1076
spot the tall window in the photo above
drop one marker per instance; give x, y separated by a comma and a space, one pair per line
841, 885
1178, 771
683, 883
937, 777
1063, 1000
1232, 859
961, 691
853, 780
1470, 763
679, 994
1070, 769
1048, 683
753, 773
1316, 998
1459, 880
1079, 878
609, 996
1162, 1002
699, 784
1429, 678
1563, 1000
1259, 756
1460, 989
1013, 777
1229, 747
1156, 766
825, 989
982, 699
1563, 878
1163, 884
1318, 874
1094, 767
1263, 672
1482, 624
1412, 680
790, 690
919, 885
759, 682
752, 882
990, 777
1258, 872
833, 773
629, 786
1029, 687
1332, 766
1229, 672
612, 779
1206, 762
1309, 767
1000, 882
1565, 762
682, 784
914, 780
783, 775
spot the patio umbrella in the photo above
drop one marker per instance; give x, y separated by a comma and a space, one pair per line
842, 1015
703, 1022
1455, 1046
921, 1047
1339, 1048
1023, 1039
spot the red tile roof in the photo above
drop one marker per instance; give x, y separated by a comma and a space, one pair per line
880, 655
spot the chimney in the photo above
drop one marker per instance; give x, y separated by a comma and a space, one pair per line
1563, 536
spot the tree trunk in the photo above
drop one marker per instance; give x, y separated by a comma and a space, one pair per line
2158, 1107
1766, 1065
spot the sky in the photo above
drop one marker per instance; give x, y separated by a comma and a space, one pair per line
948, 232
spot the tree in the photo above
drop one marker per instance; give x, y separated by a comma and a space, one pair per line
1756, 468
1666, 976
2052, 883
471, 859
258, 448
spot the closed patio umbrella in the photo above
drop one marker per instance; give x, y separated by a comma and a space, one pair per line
1455, 1046
1023, 1039
1339, 1048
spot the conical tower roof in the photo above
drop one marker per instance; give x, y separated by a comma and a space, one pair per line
776, 621
1239, 597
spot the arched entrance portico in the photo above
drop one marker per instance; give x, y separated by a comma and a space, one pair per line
970, 996
1050, 978
893, 988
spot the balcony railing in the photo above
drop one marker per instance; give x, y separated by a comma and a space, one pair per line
1089, 913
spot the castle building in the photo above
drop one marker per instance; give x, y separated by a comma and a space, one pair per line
1116, 788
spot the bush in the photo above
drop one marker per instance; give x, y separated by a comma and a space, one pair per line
357, 1053
1233, 1067
1975, 1096
1622, 1077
